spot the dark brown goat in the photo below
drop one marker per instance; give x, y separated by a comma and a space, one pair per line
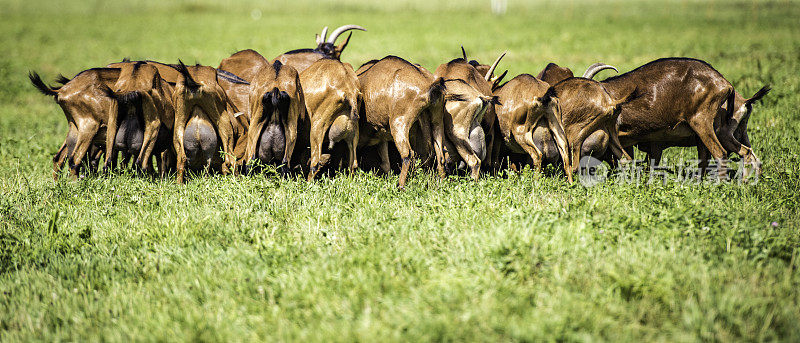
332, 97
677, 102
685, 102
396, 94
303, 58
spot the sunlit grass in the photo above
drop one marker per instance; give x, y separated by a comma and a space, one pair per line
527, 257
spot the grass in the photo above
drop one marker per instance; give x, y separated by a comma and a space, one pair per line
522, 258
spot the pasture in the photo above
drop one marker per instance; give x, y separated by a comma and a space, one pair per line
511, 257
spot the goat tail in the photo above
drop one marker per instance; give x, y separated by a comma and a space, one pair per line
436, 90
276, 102
37, 82
124, 100
62, 79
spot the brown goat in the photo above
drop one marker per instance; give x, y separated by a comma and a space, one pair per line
237, 89
541, 131
587, 107
85, 103
301, 59
743, 108
678, 102
279, 116
203, 110
460, 69
332, 99
140, 92
396, 93
523, 105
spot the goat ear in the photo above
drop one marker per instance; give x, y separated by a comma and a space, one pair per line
341, 47
760, 94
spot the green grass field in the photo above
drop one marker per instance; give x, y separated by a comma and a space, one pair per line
523, 258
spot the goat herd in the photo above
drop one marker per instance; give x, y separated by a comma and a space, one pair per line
306, 111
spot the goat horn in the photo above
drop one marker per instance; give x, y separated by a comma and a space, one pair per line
596, 68
463, 53
323, 35
489, 73
335, 34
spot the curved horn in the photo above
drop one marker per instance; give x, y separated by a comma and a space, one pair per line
321, 38
341, 29
489, 73
463, 53
596, 68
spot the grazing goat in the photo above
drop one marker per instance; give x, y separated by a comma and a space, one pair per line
141, 94
204, 121
396, 94
684, 102
523, 105
481, 134
278, 111
332, 97
85, 103
587, 107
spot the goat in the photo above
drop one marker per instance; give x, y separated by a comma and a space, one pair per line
523, 105
474, 152
204, 111
586, 107
279, 116
332, 97
684, 101
140, 93
396, 94
85, 103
